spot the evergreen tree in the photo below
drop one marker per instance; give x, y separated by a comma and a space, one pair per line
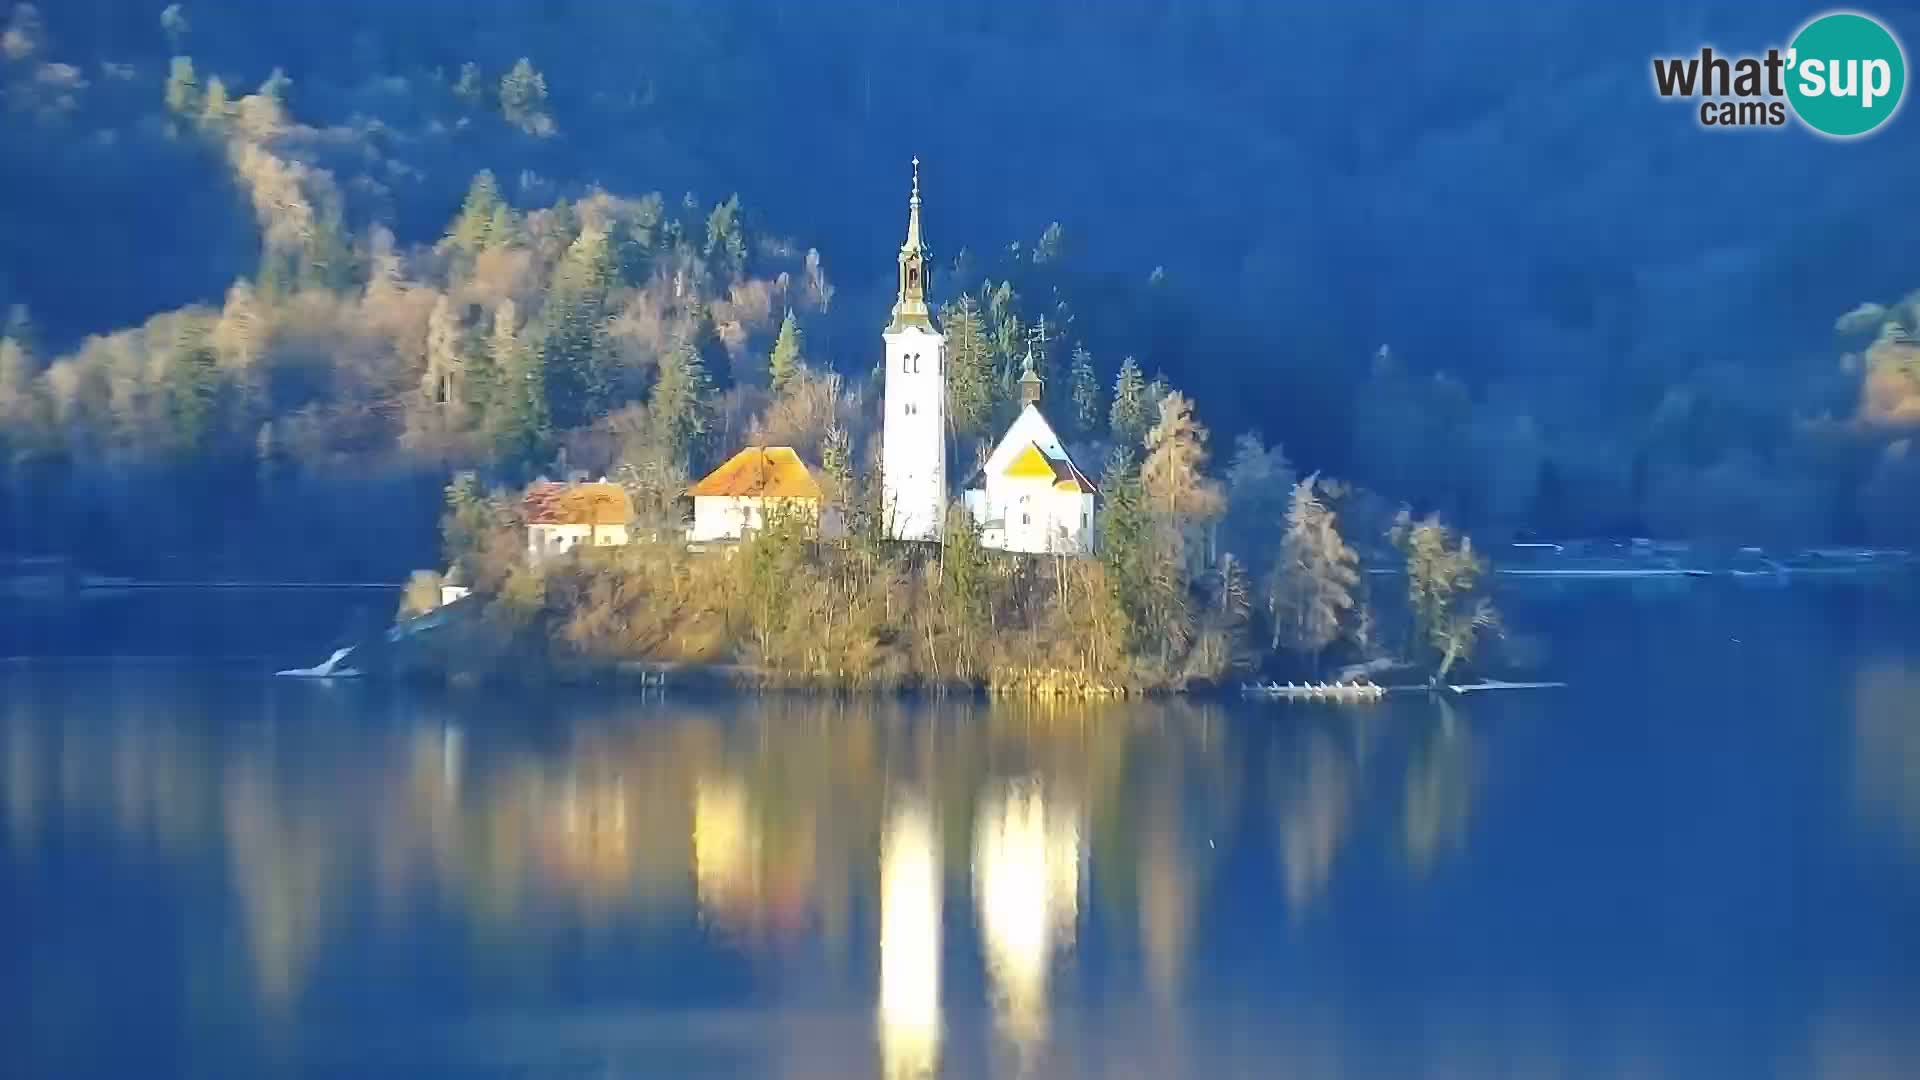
191, 388
1174, 468
966, 587
1142, 569
726, 239
969, 367
183, 88
473, 228
217, 107
573, 331
1084, 387
1127, 417
504, 229
1313, 585
326, 259
785, 361
1259, 481
275, 87
523, 98
1157, 392
1443, 594
683, 399
1052, 246
517, 414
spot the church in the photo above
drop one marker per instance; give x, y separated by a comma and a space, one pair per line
1029, 496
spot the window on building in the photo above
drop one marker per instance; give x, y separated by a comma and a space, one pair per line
1026, 519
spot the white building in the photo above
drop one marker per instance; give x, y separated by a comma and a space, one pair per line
562, 517
758, 481
913, 450
1030, 496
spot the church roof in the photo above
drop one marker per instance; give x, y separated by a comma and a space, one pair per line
1030, 448
549, 503
761, 472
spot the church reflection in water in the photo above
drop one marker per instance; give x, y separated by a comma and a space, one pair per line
873, 838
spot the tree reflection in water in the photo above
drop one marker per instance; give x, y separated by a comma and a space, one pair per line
762, 825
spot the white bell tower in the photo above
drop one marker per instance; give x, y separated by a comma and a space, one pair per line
913, 440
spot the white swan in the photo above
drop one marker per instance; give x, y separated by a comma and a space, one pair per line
330, 669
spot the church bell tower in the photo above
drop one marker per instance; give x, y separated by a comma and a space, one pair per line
913, 444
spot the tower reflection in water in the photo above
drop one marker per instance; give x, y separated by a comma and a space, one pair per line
909, 942
1026, 881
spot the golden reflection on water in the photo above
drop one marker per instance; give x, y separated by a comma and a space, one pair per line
909, 1016
1026, 873
768, 822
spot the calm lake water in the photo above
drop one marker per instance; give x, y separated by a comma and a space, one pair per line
1703, 859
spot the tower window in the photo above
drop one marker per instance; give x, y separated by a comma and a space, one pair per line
913, 277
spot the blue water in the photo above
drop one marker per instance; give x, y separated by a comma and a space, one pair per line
1701, 859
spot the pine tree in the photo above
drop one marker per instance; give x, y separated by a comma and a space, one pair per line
785, 361
517, 409
504, 229
473, 227
1052, 246
1142, 568
969, 367
326, 260
523, 98
726, 239
683, 399
573, 331
217, 107
275, 87
191, 388
183, 88
1127, 417
1084, 386
1313, 585
1259, 481
1174, 467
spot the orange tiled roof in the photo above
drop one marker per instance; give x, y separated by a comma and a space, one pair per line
578, 504
761, 471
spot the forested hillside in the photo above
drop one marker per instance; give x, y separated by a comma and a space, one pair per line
274, 270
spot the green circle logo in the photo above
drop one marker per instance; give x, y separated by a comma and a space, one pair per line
1846, 74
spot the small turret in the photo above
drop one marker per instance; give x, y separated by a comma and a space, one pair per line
1030, 384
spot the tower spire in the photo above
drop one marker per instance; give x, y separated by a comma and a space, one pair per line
910, 303
1030, 383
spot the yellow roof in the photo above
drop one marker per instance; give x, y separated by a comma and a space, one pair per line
1031, 462
761, 471
1035, 463
578, 504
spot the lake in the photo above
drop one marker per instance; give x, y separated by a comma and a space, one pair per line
1700, 859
